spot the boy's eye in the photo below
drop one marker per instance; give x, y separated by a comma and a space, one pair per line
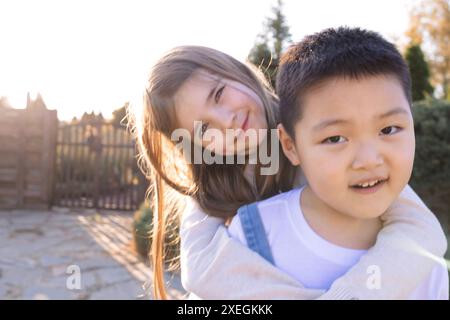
390, 130
219, 94
334, 140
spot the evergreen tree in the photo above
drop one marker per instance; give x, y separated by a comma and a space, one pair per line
420, 72
271, 42
429, 23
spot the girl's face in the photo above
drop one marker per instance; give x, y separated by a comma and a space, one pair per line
220, 113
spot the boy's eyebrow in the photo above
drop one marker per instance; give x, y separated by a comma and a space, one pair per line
394, 111
332, 122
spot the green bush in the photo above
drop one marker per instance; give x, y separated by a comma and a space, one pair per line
142, 225
432, 161
431, 174
142, 228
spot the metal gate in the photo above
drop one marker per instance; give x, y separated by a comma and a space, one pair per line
96, 167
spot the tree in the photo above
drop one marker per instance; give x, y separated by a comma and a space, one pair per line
271, 42
119, 115
420, 72
430, 24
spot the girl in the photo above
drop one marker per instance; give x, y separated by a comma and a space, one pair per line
198, 89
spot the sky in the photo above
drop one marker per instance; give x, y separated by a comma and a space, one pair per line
95, 55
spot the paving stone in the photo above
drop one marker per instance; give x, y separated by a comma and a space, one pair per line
37, 247
11, 292
47, 293
21, 277
113, 276
52, 260
130, 290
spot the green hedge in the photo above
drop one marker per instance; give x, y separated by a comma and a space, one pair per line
431, 174
142, 228
142, 225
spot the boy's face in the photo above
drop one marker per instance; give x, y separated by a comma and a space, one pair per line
353, 132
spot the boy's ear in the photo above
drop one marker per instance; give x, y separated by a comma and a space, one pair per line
288, 145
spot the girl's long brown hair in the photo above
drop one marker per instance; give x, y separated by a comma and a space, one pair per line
219, 189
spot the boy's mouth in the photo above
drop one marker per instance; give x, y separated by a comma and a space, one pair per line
370, 185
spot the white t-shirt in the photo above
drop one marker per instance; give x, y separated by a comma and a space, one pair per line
315, 262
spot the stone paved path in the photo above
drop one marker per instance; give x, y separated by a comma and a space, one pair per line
41, 250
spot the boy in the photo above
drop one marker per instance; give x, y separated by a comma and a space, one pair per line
345, 104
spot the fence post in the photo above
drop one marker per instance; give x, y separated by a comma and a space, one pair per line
20, 165
49, 155
97, 155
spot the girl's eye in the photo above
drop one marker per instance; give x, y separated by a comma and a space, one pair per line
203, 129
219, 94
390, 130
334, 140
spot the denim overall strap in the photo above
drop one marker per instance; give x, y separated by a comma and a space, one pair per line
254, 231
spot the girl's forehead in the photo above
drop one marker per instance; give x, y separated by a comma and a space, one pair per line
208, 80
203, 75
194, 87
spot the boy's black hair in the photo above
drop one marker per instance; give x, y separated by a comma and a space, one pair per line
343, 52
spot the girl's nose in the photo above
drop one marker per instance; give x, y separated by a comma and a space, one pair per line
367, 157
225, 119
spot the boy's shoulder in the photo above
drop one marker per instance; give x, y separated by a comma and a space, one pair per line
280, 202
274, 212
279, 199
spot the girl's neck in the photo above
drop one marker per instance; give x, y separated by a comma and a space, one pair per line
337, 227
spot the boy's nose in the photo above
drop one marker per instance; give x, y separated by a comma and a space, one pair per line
367, 156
